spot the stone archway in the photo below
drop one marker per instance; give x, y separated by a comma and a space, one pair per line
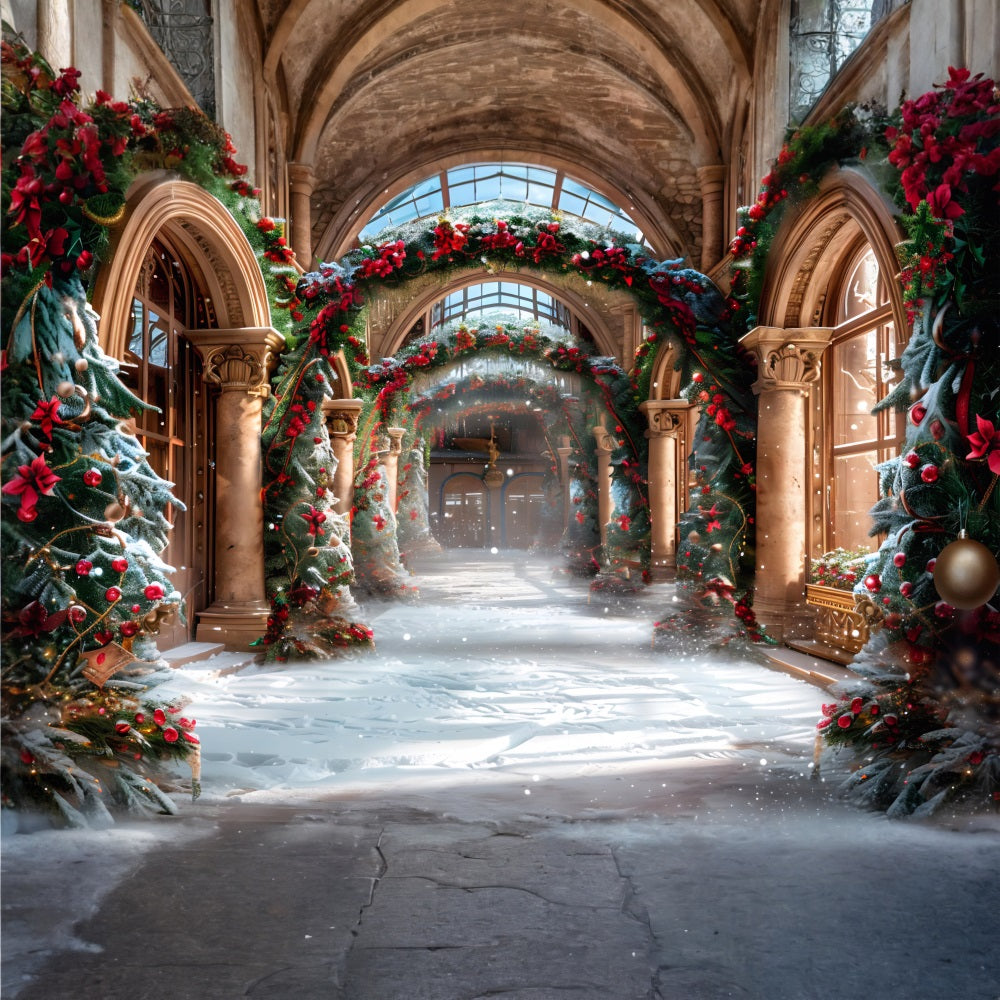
237, 347
794, 332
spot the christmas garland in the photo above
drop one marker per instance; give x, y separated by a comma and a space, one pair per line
79, 621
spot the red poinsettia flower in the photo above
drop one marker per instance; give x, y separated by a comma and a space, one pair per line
34, 619
941, 204
314, 519
47, 414
985, 443
30, 481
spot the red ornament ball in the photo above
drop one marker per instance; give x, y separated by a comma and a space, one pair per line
153, 592
899, 559
931, 563
929, 473
128, 629
139, 718
170, 734
845, 720
912, 459
119, 565
873, 582
113, 594
917, 413
92, 477
83, 567
136, 609
122, 727
77, 614
937, 430
906, 588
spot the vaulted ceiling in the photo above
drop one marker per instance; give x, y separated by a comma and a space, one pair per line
628, 97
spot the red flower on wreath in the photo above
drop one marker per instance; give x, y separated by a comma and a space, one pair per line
30, 482
985, 443
47, 414
314, 519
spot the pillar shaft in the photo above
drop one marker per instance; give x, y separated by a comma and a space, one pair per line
666, 477
788, 365
563, 452
238, 363
713, 181
301, 183
392, 464
605, 502
342, 425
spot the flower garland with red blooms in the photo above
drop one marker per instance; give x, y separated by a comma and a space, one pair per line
926, 718
673, 300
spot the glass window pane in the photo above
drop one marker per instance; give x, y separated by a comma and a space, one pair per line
855, 388
854, 492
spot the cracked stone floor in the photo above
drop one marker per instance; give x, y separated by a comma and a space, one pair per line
602, 828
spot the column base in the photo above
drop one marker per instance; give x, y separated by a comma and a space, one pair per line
783, 620
236, 624
662, 570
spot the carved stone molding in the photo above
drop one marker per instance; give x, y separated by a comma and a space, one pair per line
666, 418
786, 359
605, 442
341, 416
238, 360
396, 440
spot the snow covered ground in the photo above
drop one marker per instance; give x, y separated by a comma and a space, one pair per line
502, 670
505, 696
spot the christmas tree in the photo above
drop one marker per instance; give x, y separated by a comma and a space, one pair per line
926, 714
85, 589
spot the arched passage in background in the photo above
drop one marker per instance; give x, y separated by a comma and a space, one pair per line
184, 307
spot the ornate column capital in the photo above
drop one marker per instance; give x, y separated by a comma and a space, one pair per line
666, 417
786, 359
396, 440
341, 417
238, 360
712, 178
301, 178
605, 442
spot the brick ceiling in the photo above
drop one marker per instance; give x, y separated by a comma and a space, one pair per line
629, 97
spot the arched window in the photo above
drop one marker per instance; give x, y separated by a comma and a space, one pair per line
859, 368
163, 369
520, 183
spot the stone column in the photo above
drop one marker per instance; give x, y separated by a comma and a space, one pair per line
238, 362
301, 182
563, 452
392, 463
713, 182
341, 417
605, 502
667, 480
788, 365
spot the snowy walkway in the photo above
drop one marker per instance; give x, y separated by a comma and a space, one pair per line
515, 797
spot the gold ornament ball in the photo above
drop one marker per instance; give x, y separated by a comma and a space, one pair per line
81, 364
717, 547
114, 512
966, 573
694, 538
65, 389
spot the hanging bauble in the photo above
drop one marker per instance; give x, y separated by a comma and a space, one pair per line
492, 477
917, 413
92, 477
873, 582
966, 573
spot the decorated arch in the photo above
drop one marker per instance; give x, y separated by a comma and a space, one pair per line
682, 311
